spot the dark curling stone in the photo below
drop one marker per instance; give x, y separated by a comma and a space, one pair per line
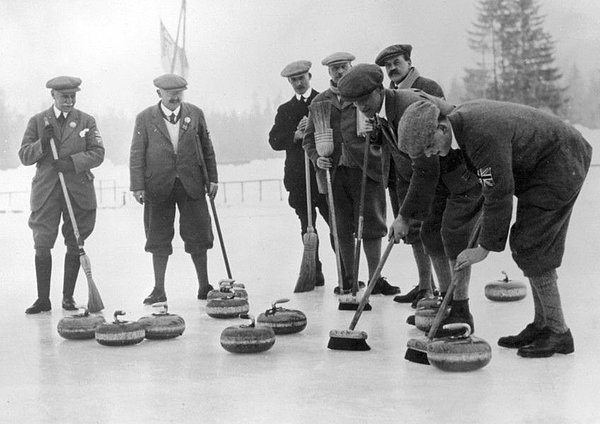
120, 333
424, 317
162, 325
250, 338
505, 290
459, 354
80, 326
227, 307
429, 302
226, 288
281, 320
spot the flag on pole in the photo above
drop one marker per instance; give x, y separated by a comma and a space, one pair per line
169, 51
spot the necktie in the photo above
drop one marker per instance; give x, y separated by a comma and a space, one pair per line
173, 118
61, 119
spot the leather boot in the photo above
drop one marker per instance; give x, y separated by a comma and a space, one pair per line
525, 337
320, 280
548, 344
72, 265
43, 272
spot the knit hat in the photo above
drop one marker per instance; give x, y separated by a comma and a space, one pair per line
417, 126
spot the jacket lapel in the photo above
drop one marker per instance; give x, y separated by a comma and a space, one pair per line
183, 126
159, 123
70, 124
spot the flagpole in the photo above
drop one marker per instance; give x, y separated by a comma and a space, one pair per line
181, 14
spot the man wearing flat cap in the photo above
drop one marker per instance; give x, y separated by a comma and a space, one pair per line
286, 135
516, 151
79, 148
440, 193
346, 164
172, 165
397, 62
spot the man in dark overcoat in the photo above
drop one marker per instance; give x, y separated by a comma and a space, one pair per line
170, 147
516, 151
79, 148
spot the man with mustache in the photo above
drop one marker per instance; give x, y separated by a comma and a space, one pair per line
79, 148
170, 146
398, 66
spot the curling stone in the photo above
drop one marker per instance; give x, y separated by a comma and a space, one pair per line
424, 317
80, 326
226, 288
162, 325
120, 333
505, 290
281, 320
429, 302
461, 353
249, 338
227, 307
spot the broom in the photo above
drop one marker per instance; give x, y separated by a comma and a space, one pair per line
417, 348
94, 300
308, 267
351, 339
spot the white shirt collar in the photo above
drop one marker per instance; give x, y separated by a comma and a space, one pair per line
305, 95
382, 113
57, 112
168, 112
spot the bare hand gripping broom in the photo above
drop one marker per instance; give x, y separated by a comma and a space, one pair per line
94, 300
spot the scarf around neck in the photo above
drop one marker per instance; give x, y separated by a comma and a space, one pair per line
409, 79
334, 89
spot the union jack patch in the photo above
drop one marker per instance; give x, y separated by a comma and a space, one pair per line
485, 177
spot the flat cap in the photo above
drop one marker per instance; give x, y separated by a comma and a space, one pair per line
359, 81
395, 50
337, 57
170, 82
298, 67
417, 126
64, 84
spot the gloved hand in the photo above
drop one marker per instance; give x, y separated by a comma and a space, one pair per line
47, 135
212, 190
299, 133
324, 162
65, 165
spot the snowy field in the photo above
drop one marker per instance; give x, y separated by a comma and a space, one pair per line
192, 379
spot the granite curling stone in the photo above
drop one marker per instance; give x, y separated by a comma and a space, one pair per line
424, 317
459, 354
162, 325
120, 333
282, 320
505, 290
249, 338
226, 288
227, 307
80, 326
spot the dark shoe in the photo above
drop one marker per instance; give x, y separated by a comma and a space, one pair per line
410, 320
385, 288
155, 297
421, 294
68, 304
548, 344
459, 313
202, 294
408, 297
320, 281
525, 337
40, 305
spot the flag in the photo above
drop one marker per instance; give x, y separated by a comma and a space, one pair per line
168, 49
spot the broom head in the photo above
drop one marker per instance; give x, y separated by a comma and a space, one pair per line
94, 300
416, 350
348, 340
350, 303
308, 267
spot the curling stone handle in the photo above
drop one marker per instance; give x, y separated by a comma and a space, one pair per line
250, 317
283, 300
459, 326
163, 305
117, 314
506, 279
227, 282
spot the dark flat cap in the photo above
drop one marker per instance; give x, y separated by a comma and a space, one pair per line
64, 84
170, 82
395, 50
298, 67
338, 57
359, 81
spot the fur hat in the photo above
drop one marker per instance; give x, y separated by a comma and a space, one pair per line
417, 126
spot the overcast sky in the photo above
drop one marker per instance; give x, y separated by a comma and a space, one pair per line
236, 48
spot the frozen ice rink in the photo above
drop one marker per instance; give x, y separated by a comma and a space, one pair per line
192, 379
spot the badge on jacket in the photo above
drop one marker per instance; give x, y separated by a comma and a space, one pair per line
485, 177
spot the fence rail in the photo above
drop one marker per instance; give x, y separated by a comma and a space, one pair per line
111, 195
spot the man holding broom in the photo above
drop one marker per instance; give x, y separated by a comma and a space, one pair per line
287, 134
346, 165
520, 151
79, 147
170, 146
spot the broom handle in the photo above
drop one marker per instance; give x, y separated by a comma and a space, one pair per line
212, 205
371, 286
440, 314
64, 190
361, 214
336, 240
308, 192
